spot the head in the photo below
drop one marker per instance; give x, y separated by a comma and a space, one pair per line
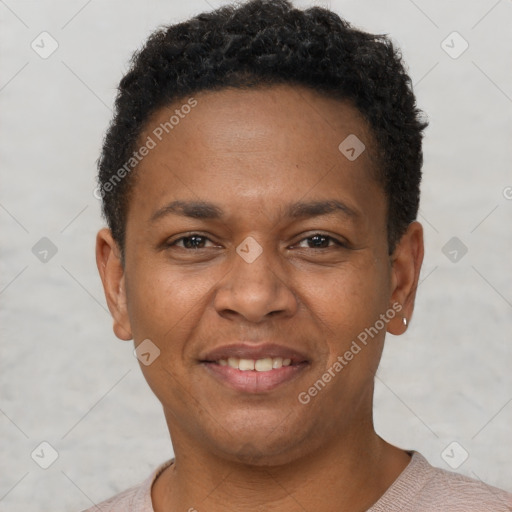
260, 181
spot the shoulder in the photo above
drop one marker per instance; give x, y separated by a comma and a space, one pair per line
459, 492
422, 487
134, 499
124, 501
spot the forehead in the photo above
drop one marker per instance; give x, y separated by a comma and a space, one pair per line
265, 117
243, 144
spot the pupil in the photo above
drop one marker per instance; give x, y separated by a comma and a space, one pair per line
316, 239
194, 239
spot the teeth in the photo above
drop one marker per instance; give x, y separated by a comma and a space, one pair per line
260, 365
246, 364
263, 365
233, 362
277, 362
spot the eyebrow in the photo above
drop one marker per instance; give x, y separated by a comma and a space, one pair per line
208, 211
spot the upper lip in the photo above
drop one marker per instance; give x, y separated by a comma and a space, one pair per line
251, 351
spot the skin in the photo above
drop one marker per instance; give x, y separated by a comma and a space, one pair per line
253, 152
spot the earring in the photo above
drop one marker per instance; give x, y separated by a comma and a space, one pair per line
404, 321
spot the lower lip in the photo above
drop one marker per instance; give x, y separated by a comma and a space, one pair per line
252, 381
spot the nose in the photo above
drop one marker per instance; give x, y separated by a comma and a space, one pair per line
255, 290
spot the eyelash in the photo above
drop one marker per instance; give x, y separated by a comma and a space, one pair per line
198, 235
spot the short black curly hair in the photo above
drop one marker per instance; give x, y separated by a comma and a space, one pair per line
267, 42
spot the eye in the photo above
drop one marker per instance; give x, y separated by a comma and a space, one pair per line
321, 241
196, 241
193, 241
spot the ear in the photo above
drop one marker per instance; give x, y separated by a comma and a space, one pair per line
406, 263
110, 267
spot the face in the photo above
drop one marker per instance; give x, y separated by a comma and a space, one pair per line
256, 258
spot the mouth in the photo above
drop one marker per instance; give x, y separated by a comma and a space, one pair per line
259, 365
254, 369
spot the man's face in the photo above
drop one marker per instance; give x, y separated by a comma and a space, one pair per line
259, 277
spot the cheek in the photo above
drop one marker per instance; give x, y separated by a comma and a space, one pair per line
349, 303
165, 304
350, 295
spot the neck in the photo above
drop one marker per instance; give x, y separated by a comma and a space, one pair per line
351, 474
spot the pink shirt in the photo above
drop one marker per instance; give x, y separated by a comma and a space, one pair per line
419, 488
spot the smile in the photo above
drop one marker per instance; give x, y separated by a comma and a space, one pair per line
259, 365
250, 368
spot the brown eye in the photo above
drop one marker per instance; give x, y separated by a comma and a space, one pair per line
320, 241
193, 241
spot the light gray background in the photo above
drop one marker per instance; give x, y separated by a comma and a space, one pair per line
67, 380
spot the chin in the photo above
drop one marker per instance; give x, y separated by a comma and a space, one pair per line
254, 454
263, 443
